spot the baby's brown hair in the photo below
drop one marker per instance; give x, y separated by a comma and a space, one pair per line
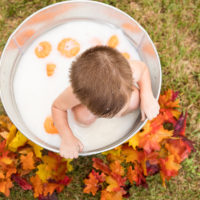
101, 79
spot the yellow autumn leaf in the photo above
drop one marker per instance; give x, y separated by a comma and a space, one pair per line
18, 141
37, 149
134, 141
112, 184
69, 165
11, 134
44, 172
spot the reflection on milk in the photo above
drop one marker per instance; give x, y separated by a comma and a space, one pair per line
35, 91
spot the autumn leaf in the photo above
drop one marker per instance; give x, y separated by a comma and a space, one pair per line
113, 185
65, 181
168, 99
27, 161
151, 141
179, 148
117, 168
18, 141
37, 185
99, 164
99, 177
106, 195
44, 172
5, 186
49, 188
130, 154
152, 168
22, 182
91, 184
136, 175
37, 149
169, 166
134, 141
180, 126
11, 134
5, 123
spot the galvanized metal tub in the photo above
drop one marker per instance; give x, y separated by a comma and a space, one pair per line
53, 15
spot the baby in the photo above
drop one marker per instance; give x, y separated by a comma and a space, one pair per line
102, 85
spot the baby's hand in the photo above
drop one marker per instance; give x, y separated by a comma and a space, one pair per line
149, 106
70, 147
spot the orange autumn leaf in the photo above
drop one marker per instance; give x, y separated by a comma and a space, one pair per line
106, 195
132, 175
179, 148
50, 68
68, 47
43, 49
5, 123
49, 126
37, 185
136, 175
91, 184
168, 99
49, 188
5, 186
113, 41
117, 168
27, 161
169, 166
11, 170
130, 154
151, 141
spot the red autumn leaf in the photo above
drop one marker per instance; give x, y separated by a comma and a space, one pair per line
169, 166
99, 177
91, 184
99, 164
22, 182
180, 126
65, 181
120, 180
165, 115
152, 169
179, 148
136, 175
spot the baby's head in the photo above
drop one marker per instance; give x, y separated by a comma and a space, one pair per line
101, 79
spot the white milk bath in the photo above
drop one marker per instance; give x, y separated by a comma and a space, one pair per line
34, 91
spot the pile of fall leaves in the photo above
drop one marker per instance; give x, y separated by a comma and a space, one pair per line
159, 147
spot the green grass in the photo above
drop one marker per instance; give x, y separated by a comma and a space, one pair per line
174, 29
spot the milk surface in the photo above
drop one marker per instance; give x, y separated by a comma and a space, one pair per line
35, 92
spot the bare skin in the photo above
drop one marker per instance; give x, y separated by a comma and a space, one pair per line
70, 145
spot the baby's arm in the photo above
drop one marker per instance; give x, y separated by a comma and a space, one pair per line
70, 145
149, 105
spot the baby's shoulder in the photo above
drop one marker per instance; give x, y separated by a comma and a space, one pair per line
66, 99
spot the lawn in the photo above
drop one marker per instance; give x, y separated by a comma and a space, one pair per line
174, 28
